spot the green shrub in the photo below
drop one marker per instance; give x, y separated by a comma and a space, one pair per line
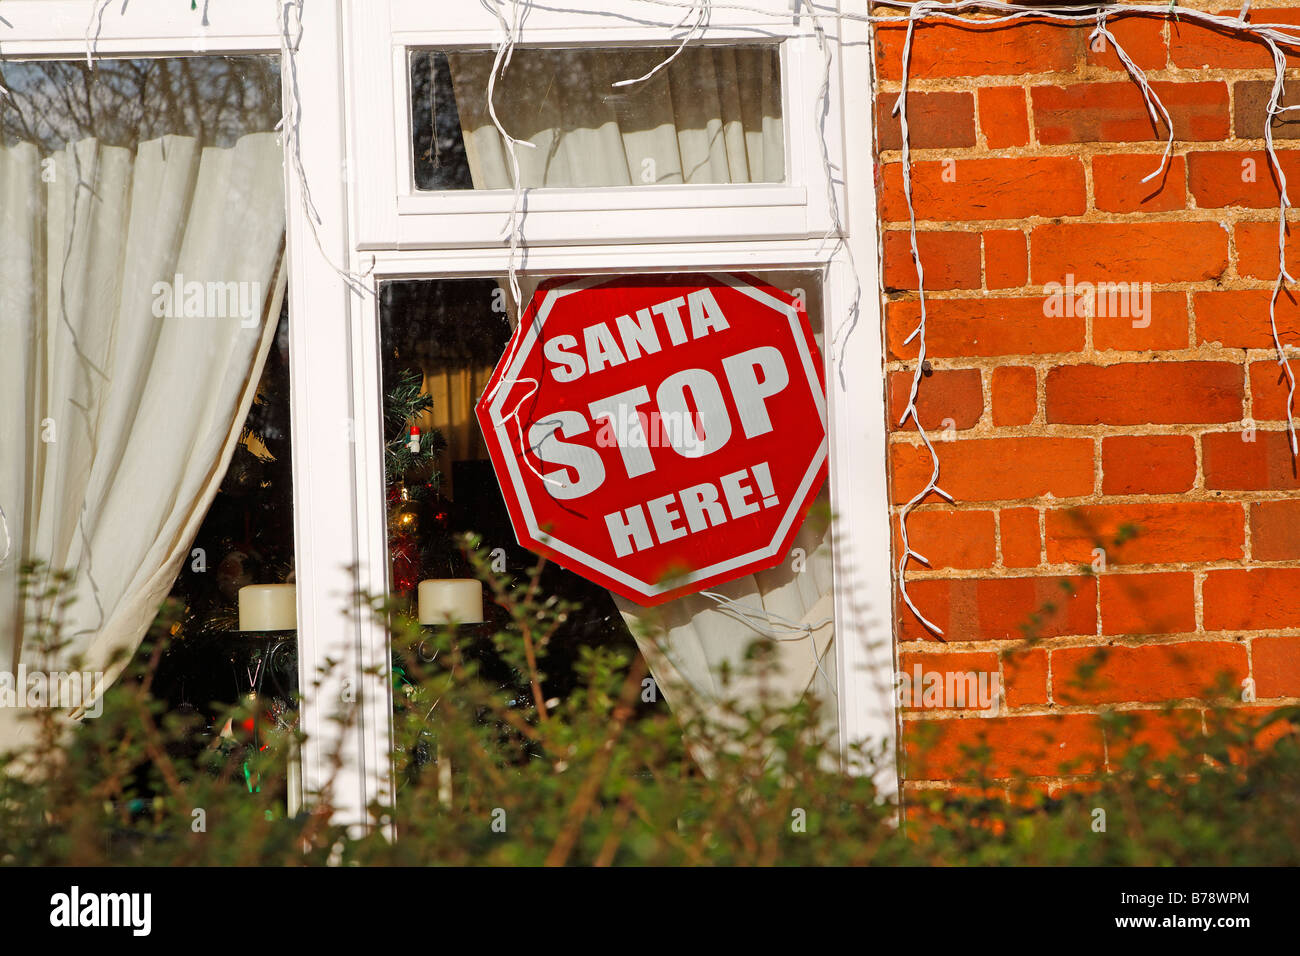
489, 775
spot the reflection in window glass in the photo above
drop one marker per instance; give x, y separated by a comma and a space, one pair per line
126, 102
712, 116
441, 341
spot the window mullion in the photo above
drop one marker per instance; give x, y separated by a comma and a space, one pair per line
329, 435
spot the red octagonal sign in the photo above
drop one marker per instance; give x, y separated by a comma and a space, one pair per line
658, 434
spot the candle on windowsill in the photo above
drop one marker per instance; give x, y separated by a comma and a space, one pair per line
268, 607
443, 600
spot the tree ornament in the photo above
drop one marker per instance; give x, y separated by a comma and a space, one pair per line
403, 539
232, 574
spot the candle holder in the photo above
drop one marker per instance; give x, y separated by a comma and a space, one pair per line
442, 603
447, 602
266, 645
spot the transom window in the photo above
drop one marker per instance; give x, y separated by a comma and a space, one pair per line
599, 117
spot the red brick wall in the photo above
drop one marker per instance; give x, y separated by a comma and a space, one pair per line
1058, 435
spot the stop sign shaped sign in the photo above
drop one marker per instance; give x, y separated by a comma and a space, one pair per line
658, 434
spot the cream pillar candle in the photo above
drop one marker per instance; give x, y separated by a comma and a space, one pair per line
268, 607
443, 600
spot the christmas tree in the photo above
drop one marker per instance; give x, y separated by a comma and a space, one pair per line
247, 535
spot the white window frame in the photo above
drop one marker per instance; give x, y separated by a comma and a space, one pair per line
454, 234
345, 228
59, 29
862, 572
392, 213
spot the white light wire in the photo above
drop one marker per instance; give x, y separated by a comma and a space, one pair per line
1275, 108
900, 110
696, 29
773, 626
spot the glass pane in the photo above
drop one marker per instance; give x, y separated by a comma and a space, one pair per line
123, 103
144, 426
441, 340
713, 115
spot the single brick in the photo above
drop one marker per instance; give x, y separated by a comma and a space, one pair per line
1147, 603
1275, 530
982, 327
1006, 258
1014, 395
1196, 46
951, 260
1217, 178
1251, 599
1143, 39
1004, 116
1275, 665
1117, 112
969, 49
951, 539
1135, 393
998, 469
1256, 244
1150, 674
1024, 677
1264, 725
937, 120
1001, 609
1250, 100
1051, 745
941, 681
1140, 320
1022, 543
1270, 391
1149, 533
978, 189
1117, 183
1128, 252
1145, 735
1147, 464
1248, 460
1239, 319
947, 398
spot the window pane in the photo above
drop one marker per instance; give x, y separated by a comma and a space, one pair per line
441, 340
123, 103
713, 115
144, 443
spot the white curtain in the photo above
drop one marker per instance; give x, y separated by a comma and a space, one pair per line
712, 116
117, 423
697, 647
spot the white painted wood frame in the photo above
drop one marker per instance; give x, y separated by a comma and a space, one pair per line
352, 138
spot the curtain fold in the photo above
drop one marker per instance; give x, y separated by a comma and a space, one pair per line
455, 390
697, 647
121, 401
